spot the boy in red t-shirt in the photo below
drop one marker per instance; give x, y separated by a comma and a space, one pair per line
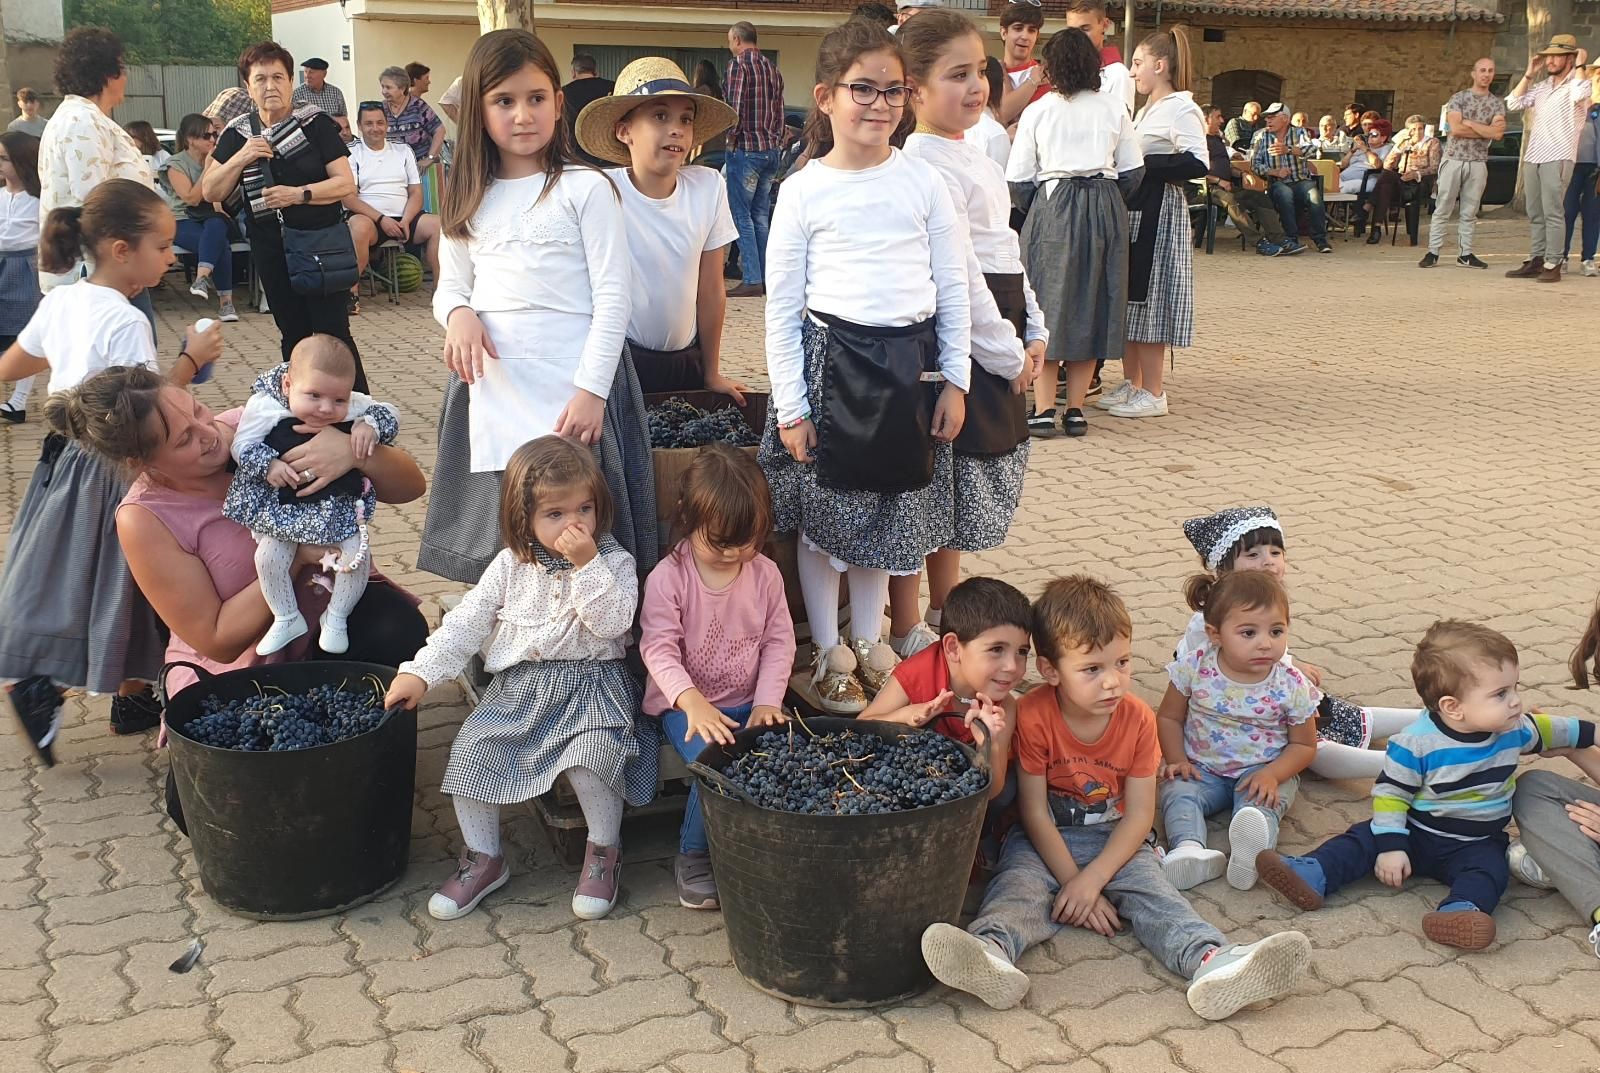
1087, 756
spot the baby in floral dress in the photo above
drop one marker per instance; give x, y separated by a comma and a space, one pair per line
1236, 728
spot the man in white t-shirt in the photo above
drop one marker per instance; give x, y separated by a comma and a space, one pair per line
450, 101
387, 203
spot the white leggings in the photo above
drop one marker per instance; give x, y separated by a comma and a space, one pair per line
602, 813
275, 568
20, 392
819, 587
1336, 761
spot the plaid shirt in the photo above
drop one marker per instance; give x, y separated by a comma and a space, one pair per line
329, 98
1265, 156
754, 89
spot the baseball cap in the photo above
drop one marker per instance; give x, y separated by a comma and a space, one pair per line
316, 63
1275, 108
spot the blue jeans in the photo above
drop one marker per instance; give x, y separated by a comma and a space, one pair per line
750, 176
674, 724
1185, 803
1583, 201
1015, 914
1306, 193
1475, 871
208, 239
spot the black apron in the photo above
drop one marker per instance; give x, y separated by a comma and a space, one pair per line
997, 417
663, 372
875, 431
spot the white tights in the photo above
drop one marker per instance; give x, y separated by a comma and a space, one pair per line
602, 813
819, 587
275, 568
20, 392
1336, 761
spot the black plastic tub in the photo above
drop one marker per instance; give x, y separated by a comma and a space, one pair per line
830, 910
301, 833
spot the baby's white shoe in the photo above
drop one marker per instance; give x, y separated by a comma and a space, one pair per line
335, 638
1190, 864
280, 633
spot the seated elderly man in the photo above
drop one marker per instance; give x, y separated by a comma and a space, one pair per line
1250, 210
387, 203
1331, 142
1281, 155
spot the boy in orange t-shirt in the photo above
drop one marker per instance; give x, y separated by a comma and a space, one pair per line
1087, 754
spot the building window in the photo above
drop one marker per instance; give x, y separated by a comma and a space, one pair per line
1377, 100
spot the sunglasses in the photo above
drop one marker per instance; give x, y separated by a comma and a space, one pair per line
204, 136
365, 105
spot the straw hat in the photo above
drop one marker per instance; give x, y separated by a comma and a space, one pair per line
1560, 45
646, 79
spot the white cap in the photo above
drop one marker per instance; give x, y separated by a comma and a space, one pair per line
901, 5
1275, 108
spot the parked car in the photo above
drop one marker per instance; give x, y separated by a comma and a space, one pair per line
1505, 156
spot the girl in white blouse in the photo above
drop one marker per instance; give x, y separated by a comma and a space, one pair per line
867, 311
534, 297
555, 609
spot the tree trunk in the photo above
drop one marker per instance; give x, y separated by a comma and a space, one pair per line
1546, 18
505, 15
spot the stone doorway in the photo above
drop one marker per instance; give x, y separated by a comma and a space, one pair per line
1231, 89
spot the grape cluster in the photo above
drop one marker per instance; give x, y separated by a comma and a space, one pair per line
854, 774
679, 423
276, 721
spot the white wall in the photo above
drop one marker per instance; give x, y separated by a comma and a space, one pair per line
32, 20
321, 31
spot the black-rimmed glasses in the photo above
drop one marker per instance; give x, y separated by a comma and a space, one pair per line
866, 94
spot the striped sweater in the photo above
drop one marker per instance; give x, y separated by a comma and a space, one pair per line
1459, 785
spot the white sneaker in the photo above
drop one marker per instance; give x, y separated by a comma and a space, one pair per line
280, 633
1141, 404
916, 639
1594, 939
1232, 977
1591, 269
227, 312
335, 636
1116, 396
201, 287
1248, 834
1525, 868
967, 963
1192, 864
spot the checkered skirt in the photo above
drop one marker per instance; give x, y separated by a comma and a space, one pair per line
1167, 313
19, 290
537, 719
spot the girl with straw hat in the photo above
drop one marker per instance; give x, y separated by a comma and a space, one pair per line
677, 221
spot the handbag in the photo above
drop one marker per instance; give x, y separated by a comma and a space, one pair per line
320, 260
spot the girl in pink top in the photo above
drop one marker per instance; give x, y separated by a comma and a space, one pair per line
717, 639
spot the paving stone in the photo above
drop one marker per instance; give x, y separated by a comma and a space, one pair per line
943, 1041
425, 973
23, 1056
275, 970
22, 940
129, 1035
142, 861
732, 1060
440, 1050
1501, 1014
259, 940
1436, 1026
373, 1058
69, 872
649, 1043
1096, 983
24, 1020
519, 1042
86, 988
899, 1063
744, 1011
686, 952
1129, 1018
1381, 1051
615, 1008
1136, 1058
821, 1045
1374, 957
661, 921
118, 934
457, 1002
336, 1011
1529, 961
382, 931
622, 949
1217, 1048
1567, 1053
200, 1057
1021, 1037
21, 985
1301, 1021
260, 1026
154, 984
554, 964
142, 821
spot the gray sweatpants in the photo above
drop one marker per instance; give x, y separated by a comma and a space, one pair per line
1568, 856
1544, 188
1460, 182
1016, 908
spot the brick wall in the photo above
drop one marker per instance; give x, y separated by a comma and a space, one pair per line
1511, 44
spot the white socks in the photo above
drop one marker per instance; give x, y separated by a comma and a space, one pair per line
20, 392
480, 825
602, 806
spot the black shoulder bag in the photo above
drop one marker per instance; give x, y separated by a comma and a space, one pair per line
320, 260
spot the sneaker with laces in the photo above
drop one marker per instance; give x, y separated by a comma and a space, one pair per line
599, 883
1189, 864
136, 713
967, 963
875, 662
697, 885
1525, 868
1267, 248
1429, 259
1323, 246
1141, 404
1116, 396
36, 702
476, 876
1467, 260
1590, 268
227, 312
1235, 976
833, 677
1292, 247
916, 639
201, 287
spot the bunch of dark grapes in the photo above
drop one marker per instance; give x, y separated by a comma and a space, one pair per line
679, 423
276, 721
854, 774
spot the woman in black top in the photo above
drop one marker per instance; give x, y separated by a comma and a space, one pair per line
310, 177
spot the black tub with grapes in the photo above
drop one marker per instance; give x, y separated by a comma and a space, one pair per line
827, 907
298, 809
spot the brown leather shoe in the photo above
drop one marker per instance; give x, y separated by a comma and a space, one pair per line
1550, 275
1529, 269
748, 290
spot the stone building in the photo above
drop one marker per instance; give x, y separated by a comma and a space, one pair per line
1511, 43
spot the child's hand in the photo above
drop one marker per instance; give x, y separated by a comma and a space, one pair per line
1031, 368
921, 714
1311, 671
576, 545
990, 714
765, 715
580, 418
282, 475
1076, 900
405, 691
1183, 769
1393, 867
1586, 814
949, 414
709, 724
800, 441
1102, 918
363, 438
466, 345
723, 385
1260, 787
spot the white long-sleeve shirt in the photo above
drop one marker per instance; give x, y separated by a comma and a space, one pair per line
1087, 134
550, 281
983, 205
1174, 124
879, 247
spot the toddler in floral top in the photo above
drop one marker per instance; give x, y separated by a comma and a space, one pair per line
1236, 728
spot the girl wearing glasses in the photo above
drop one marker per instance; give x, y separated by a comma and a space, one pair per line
868, 351
202, 228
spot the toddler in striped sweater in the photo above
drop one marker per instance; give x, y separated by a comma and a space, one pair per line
1440, 807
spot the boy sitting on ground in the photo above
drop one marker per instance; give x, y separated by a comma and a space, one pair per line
1087, 756
1441, 805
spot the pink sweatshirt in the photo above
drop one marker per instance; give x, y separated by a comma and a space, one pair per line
736, 646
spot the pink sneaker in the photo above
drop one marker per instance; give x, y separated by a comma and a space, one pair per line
476, 875
598, 883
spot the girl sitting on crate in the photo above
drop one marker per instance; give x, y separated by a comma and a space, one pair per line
717, 639
558, 603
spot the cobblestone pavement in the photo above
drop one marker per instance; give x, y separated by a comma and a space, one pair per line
1423, 435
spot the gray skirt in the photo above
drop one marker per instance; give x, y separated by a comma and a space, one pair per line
536, 720
891, 531
1075, 247
462, 532
19, 290
72, 610
986, 494
1167, 313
